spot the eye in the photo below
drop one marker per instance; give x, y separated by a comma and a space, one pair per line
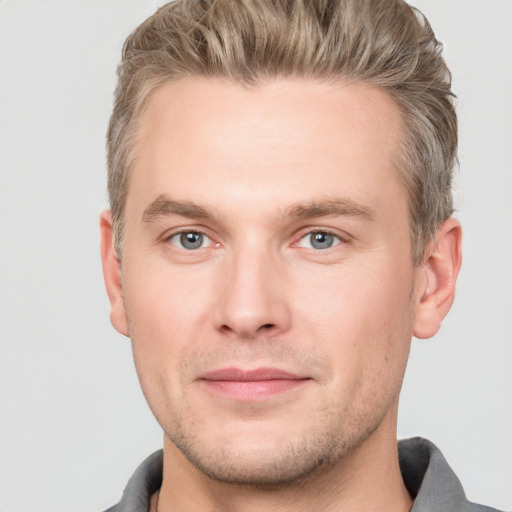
190, 240
319, 240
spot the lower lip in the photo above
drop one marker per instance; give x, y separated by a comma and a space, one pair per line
254, 390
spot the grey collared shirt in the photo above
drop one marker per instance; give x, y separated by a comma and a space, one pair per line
427, 476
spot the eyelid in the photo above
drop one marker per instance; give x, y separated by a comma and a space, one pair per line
169, 235
342, 238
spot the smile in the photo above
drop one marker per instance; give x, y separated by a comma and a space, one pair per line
252, 385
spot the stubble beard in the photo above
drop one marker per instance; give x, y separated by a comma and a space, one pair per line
292, 464
324, 444
331, 433
337, 430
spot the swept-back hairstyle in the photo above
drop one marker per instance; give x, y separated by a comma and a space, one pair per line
384, 43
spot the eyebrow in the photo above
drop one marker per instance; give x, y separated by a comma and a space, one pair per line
166, 207
331, 207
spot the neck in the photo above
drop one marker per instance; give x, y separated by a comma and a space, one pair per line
366, 479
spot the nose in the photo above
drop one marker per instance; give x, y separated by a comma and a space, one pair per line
253, 296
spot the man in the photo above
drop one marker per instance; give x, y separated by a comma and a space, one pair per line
280, 227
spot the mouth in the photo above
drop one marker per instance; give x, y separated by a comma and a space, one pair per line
252, 385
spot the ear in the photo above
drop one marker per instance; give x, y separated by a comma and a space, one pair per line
438, 275
112, 274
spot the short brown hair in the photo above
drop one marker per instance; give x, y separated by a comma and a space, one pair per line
385, 43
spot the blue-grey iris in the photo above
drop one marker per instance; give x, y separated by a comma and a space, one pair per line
191, 240
322, 240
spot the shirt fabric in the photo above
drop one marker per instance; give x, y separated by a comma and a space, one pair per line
427, 476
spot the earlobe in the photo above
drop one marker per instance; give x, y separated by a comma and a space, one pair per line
112, 274
440, 270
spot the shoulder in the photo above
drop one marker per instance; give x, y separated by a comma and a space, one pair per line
430, 480
146, 480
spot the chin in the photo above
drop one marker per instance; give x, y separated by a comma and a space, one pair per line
264, 462
261, 469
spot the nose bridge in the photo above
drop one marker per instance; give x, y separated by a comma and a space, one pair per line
253, 299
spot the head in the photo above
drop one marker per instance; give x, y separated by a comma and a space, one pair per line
387, 44
280, 187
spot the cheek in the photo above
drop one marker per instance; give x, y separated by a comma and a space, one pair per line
361, 314
347, 294
162, 322
163, 300
166, 315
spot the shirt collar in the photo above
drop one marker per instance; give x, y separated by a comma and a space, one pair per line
427, 476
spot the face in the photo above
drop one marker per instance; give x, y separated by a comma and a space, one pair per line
267, 281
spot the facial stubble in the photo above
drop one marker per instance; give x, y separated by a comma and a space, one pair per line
338, 430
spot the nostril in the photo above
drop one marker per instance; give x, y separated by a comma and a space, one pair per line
267, 326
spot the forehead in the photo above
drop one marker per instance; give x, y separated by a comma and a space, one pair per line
286, 138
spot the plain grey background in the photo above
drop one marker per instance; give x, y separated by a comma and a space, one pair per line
73, 423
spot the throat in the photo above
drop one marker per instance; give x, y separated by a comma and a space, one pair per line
153, 503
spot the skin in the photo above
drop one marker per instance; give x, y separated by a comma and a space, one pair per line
256, 172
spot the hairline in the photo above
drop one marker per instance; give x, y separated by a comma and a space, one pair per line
400, 154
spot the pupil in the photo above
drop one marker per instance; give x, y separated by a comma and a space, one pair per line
322, 240
191, 240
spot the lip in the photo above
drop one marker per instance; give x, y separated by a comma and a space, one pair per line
253, 384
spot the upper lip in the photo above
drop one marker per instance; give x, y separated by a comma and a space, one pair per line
250, 375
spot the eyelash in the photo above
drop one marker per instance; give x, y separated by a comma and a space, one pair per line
338, 239
188, 232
